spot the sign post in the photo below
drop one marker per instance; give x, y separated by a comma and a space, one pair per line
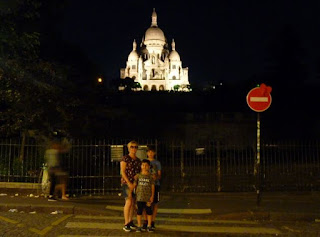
259, 100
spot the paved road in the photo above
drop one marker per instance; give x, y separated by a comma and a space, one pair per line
61, 225
225, 214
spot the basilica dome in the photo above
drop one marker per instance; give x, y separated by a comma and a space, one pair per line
154, 33
133, 56
174, 56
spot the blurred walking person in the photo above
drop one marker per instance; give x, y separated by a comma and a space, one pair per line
58, 177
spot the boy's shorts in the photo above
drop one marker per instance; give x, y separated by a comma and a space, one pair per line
143, 206
156, 198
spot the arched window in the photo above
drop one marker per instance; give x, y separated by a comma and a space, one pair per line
145, 88
153, 60
153, 88
174, 77
161, 88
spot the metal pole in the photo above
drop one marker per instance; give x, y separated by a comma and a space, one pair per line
257, 166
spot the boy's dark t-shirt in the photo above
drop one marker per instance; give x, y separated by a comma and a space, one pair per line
144, 187
155, 167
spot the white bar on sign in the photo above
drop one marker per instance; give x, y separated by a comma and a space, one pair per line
259, 99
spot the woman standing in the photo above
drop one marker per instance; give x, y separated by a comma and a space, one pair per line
130, 166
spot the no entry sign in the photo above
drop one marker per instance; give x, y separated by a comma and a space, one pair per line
259, 98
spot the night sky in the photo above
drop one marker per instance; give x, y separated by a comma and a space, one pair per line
223, 41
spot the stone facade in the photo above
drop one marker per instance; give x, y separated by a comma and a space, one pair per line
153, 65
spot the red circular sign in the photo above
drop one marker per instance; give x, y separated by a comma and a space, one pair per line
259, 98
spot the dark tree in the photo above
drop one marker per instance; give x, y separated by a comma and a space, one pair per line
32, 90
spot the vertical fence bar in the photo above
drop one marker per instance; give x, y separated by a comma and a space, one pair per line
182, 166
103, 166
218, 165
172, 166
9, 161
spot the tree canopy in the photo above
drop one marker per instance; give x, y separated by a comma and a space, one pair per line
32, 90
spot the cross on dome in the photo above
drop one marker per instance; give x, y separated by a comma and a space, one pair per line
134, 45
154, 18
173, 45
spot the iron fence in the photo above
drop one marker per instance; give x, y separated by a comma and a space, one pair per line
215, 166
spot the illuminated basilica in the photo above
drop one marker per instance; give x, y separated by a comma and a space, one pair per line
153, 65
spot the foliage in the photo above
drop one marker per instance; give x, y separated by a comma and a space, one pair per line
176, 87
127, 84
31, 89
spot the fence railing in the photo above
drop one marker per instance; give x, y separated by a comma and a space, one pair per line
94, 167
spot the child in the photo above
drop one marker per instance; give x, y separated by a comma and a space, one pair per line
144, 184
156, 172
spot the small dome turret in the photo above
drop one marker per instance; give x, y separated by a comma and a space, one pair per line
174, 56
133, 56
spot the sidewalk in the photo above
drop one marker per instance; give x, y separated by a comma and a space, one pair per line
286, 206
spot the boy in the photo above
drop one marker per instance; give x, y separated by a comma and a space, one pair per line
156, 172
144, 184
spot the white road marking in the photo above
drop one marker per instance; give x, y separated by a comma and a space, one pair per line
109, 235
220, 229
169, 211
290, 229
93, 225
182, 228
84, 235
175, 220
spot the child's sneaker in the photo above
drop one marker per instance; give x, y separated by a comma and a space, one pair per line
52, 199
126, 228
144, 227
153, 225
132, 226
149, 228
139, 229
